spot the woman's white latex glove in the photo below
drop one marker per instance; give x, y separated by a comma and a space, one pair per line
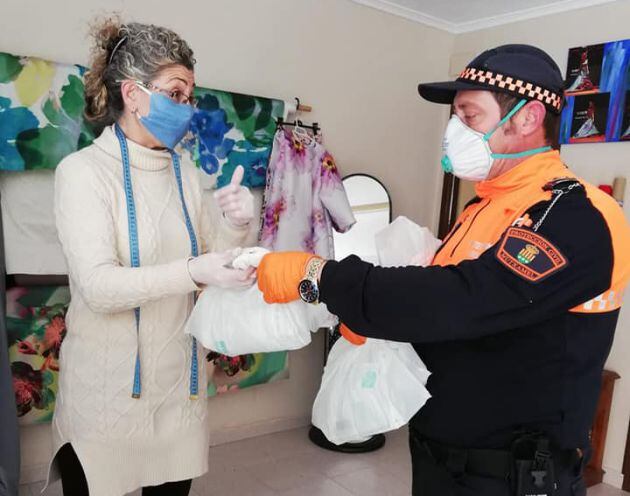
236, 201
212, 269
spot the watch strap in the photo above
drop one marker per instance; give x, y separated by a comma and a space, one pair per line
312, 268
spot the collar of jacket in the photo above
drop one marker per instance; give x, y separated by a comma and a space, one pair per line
534, 172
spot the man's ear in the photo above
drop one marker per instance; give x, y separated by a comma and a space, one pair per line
532, 118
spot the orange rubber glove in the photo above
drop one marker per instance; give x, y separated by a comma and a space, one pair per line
279, 275
353, 337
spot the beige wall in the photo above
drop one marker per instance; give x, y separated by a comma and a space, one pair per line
597, 163
357, 67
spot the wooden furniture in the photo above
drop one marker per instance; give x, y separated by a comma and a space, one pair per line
448, 205
626, 465
594, 473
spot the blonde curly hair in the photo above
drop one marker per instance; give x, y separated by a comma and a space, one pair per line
127, 51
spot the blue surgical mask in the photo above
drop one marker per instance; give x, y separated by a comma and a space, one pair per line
168, 121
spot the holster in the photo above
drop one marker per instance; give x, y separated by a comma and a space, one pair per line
534, 468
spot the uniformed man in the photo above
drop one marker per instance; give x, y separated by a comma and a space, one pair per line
516, 317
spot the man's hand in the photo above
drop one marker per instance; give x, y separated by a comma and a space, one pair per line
351, 336
279, 275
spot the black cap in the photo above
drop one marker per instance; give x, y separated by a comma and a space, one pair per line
520, 70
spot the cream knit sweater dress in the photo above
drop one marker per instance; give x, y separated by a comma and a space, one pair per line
125, 443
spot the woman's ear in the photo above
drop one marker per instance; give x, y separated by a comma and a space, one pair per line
130, 93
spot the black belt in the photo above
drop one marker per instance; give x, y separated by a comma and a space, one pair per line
493, 463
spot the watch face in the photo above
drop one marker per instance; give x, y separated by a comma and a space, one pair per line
309, 292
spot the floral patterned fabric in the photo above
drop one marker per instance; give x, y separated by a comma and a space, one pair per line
227, 374
304, 197
41, 112
230, 129
41, 121
35, 328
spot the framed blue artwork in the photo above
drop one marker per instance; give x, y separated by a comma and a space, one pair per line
597, 108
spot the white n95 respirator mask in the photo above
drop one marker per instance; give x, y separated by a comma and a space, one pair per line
466, 153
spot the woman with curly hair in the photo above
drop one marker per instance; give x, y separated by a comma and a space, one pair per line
131, 409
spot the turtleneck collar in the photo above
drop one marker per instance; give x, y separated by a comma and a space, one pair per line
536, 170
140, 157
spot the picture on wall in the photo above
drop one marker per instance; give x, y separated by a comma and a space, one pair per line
590, 116
584, 69
625, 123
597, 86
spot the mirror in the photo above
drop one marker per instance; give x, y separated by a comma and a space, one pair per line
372, 207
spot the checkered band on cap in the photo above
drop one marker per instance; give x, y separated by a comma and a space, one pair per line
513, 85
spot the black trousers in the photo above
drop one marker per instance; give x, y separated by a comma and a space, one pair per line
432, 478
74, 482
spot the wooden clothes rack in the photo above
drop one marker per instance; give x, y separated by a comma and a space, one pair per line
295, 107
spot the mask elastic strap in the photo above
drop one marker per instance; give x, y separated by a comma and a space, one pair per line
522, 154
516, 108
526, 153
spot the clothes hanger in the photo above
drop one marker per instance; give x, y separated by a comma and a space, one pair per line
301, 134
300, 128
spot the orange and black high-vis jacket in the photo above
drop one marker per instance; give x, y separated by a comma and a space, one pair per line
516, 316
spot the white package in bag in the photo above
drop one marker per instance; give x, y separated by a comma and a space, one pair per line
369, 389
404, 243
238, 321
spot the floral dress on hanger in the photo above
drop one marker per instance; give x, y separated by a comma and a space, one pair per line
304, 197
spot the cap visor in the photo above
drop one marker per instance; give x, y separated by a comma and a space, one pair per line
445, 92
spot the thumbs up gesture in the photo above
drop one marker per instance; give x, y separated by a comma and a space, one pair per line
236, 201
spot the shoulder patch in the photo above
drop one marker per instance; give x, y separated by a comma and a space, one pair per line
529, 255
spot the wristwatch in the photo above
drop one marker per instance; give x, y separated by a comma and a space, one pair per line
309, 286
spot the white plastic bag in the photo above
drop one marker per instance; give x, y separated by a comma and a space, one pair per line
237, 322
404, 243
378, 386
369, 389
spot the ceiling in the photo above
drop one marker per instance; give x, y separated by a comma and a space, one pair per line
460, 16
